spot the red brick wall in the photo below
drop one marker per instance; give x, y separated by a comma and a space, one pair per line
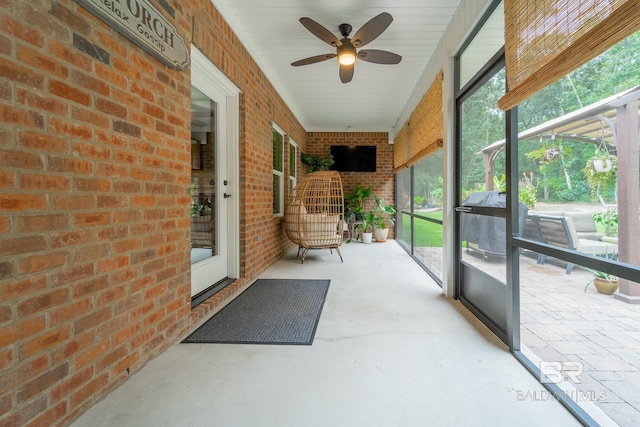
381, 182
94, 204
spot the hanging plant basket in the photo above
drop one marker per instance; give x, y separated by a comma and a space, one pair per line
600, 172
545, 154
551, 154
602, 165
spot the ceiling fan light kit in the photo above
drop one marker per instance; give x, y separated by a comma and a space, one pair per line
346, 54
346, 48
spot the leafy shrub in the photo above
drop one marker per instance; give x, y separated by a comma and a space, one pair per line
579, 193
527, 190
527, 195
608, 220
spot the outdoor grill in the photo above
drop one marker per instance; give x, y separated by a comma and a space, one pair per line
487, 233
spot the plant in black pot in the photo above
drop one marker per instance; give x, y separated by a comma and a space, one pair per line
357, 201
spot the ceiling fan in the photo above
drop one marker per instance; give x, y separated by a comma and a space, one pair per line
346, 48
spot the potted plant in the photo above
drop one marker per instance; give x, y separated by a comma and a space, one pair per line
357, 200
605, 283
545, 154
381, 214
367, 226
316, 163
600, 171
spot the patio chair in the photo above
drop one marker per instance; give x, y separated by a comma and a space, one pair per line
560, 231
531, 230
314, 217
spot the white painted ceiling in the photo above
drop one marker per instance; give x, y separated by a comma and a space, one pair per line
374, 99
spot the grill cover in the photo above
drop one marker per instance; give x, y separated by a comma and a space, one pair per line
488, 232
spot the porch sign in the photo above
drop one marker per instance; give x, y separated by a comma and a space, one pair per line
141, 23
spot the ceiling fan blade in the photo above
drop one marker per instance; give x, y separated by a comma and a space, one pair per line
371, 29
313, 59
346, 73
379, 56
320, 32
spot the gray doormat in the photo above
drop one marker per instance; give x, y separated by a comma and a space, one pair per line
270, 311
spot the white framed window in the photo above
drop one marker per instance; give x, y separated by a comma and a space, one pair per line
278, 170
293, 164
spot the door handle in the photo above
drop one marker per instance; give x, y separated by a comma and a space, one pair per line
226, 196
464, 209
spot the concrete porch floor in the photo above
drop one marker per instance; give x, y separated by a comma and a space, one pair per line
389, 350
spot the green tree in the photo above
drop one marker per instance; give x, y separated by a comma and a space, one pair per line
482, 124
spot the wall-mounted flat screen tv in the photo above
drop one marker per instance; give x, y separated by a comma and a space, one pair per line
354, 158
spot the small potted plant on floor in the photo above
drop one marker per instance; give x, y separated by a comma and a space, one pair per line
366, 225
605, 283
381, 215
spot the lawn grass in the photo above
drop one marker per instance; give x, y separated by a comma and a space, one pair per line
427, 233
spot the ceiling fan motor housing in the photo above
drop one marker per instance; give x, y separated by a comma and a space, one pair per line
345, 30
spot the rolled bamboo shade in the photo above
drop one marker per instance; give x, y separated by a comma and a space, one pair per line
424, 129
401, 148
547, 39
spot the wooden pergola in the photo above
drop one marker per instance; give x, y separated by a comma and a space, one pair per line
612, 121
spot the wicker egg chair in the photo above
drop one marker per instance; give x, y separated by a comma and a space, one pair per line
314, 217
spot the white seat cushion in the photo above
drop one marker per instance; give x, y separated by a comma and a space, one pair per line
320, 230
